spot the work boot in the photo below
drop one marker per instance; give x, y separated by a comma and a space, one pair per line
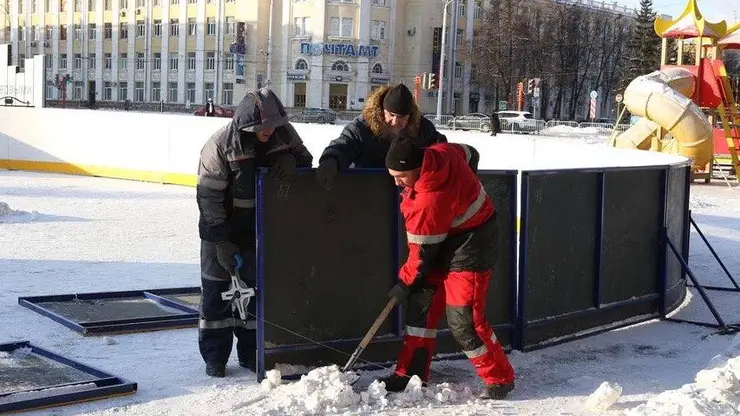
216, 370
395, 383
497, 391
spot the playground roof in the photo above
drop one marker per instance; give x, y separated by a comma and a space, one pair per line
690, 24
732, 39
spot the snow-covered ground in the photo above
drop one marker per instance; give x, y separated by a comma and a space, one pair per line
65, 234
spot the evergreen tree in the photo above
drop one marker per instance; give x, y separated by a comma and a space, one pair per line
643, 47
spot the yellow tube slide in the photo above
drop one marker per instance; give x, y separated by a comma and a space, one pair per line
661, 99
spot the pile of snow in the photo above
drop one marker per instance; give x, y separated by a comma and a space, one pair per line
5, 209
716, 390
604, 397
7, 215
326, 390
564, 130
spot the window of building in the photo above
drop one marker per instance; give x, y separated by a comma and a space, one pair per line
157, 28
157, 61
108, 30
208, 91
35, 33
91, 5
140, 29
342, 27
92, 31
301, 26
62, 32
21, 60
107, 91
123, 4
378, 30
191, 61
192, 27
108, 61
122, 91
77, 90
228, 94
156, 92
459, 37
379, 2
301, 65
230, 28
340, 66
174, 63
48, 63
49, 33
78, 61
477, 10
211, 26
140, 61
210, 61
107, 4
174, 2
461, 9
190, 92
123, 61
377, 69
140, 3
458, 70
172, 92
229, 63
63, 62
139, 92
91, 61
78, 32
50, 89
123, 31
174, 27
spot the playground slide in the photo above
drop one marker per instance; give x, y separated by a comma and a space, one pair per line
660, 98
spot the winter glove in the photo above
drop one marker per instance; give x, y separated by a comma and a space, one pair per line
226, 252
400, 291
326, 172
283, 167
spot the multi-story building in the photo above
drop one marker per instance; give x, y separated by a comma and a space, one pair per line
312, 53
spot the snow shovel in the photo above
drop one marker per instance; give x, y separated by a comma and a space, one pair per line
366, 340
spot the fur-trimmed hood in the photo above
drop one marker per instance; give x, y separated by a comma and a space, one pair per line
373, 115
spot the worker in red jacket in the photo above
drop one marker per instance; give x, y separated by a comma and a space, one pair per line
452, 239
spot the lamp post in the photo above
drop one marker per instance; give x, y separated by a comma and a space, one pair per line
440, 81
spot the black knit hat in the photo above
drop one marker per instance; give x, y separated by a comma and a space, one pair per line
404, 155
398, 100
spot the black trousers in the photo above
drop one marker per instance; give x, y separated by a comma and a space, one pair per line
219, 323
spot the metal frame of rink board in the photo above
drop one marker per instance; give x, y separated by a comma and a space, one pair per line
105, 385
326, 260
187, 318
592, 252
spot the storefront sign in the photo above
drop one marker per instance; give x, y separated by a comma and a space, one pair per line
339, 49
379, 80
297, 77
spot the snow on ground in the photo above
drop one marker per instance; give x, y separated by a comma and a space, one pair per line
97, 234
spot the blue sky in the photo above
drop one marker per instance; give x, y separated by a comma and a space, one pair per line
714, 10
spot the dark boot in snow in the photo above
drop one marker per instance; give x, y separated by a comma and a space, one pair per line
395, 383
497, 391
216, 370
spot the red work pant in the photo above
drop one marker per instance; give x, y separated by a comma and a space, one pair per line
462, 295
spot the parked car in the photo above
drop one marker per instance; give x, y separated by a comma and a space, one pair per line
472, 121
314, 115
518, 121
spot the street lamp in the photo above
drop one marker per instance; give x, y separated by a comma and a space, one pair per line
440, 81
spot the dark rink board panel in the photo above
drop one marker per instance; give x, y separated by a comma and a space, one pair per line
325, 262
103, 313
33, 378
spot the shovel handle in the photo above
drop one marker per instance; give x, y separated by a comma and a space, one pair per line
370, 333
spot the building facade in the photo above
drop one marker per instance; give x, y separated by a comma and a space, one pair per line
312, 53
